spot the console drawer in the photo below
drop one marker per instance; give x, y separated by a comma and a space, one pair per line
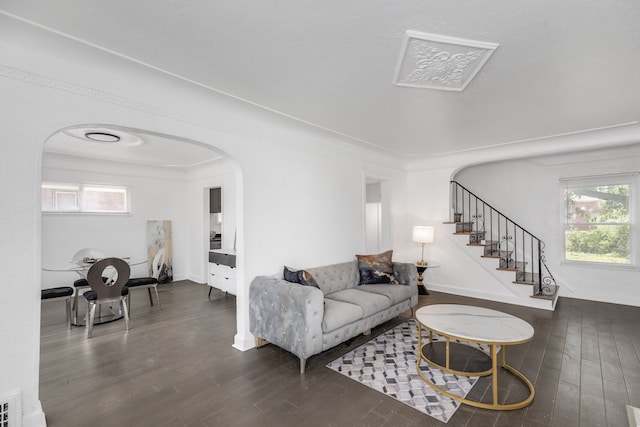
222, 277
222, 258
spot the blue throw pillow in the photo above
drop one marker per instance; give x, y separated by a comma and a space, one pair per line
302, 277
290, 275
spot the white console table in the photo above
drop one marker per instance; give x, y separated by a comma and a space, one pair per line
222, 271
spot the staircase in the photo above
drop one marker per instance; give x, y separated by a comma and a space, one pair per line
514, 248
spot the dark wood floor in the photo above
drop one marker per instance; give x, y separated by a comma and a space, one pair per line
176, 367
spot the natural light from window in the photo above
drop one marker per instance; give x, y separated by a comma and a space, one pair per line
80, 198
598, 220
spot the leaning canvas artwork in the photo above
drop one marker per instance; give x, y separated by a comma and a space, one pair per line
159, 250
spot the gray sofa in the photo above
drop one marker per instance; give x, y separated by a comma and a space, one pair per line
305, 320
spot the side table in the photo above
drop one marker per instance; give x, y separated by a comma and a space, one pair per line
422, 289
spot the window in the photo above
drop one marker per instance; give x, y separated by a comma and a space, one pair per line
63, 197
599, 219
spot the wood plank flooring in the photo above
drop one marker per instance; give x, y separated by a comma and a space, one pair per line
176, 367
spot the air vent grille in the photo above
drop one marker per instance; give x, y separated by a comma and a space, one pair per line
4, 414
9, 410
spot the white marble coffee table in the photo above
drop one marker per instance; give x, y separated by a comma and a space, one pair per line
472, 325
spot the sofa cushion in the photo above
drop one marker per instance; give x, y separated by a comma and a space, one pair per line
369, 302
336, 277
376, 268
338, 313
396, 293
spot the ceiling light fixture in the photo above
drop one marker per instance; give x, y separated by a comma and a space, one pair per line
105, 135
102, 137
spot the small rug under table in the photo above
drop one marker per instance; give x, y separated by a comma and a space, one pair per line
387, 364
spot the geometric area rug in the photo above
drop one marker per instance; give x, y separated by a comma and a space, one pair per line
387, 364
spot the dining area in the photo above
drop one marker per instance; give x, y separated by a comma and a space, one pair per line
101, 289
73, 241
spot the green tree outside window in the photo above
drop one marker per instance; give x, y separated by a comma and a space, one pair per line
598, 224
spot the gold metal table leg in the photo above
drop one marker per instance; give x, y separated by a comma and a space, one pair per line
447, 354
494, 373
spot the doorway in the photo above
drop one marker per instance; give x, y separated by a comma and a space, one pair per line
215, 218
373, 218
377, 235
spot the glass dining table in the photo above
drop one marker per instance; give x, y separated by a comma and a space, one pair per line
80, 264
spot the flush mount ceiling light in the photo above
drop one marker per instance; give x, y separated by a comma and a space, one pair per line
433, 61
103, 135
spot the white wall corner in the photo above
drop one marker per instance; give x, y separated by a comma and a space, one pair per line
196, 278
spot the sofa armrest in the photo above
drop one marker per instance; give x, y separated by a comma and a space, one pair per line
407, 275
287, 315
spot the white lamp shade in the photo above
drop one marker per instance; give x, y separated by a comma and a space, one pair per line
422, 234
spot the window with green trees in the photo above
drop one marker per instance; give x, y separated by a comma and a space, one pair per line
598, 226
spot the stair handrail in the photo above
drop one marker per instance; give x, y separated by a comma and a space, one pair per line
497, 211
547, 281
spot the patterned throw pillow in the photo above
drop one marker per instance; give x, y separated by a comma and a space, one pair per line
376, 269
302, 277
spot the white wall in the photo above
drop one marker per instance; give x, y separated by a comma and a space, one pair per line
300, 190
529, 192
155, 194
458, 272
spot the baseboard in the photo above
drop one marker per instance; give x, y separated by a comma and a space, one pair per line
634, 416
244, 343
196, 279
491, 296
35, 418
467, 292
183, 277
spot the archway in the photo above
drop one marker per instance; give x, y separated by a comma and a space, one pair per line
160, 187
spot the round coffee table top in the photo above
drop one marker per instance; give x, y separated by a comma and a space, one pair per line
477, 324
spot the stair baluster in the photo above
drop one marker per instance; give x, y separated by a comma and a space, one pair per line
508, 244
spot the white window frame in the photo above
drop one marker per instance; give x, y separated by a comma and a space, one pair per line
631, 179
81, 188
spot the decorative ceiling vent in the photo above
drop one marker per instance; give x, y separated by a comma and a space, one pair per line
439, 62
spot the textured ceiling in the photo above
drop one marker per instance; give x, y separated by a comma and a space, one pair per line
561, 66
